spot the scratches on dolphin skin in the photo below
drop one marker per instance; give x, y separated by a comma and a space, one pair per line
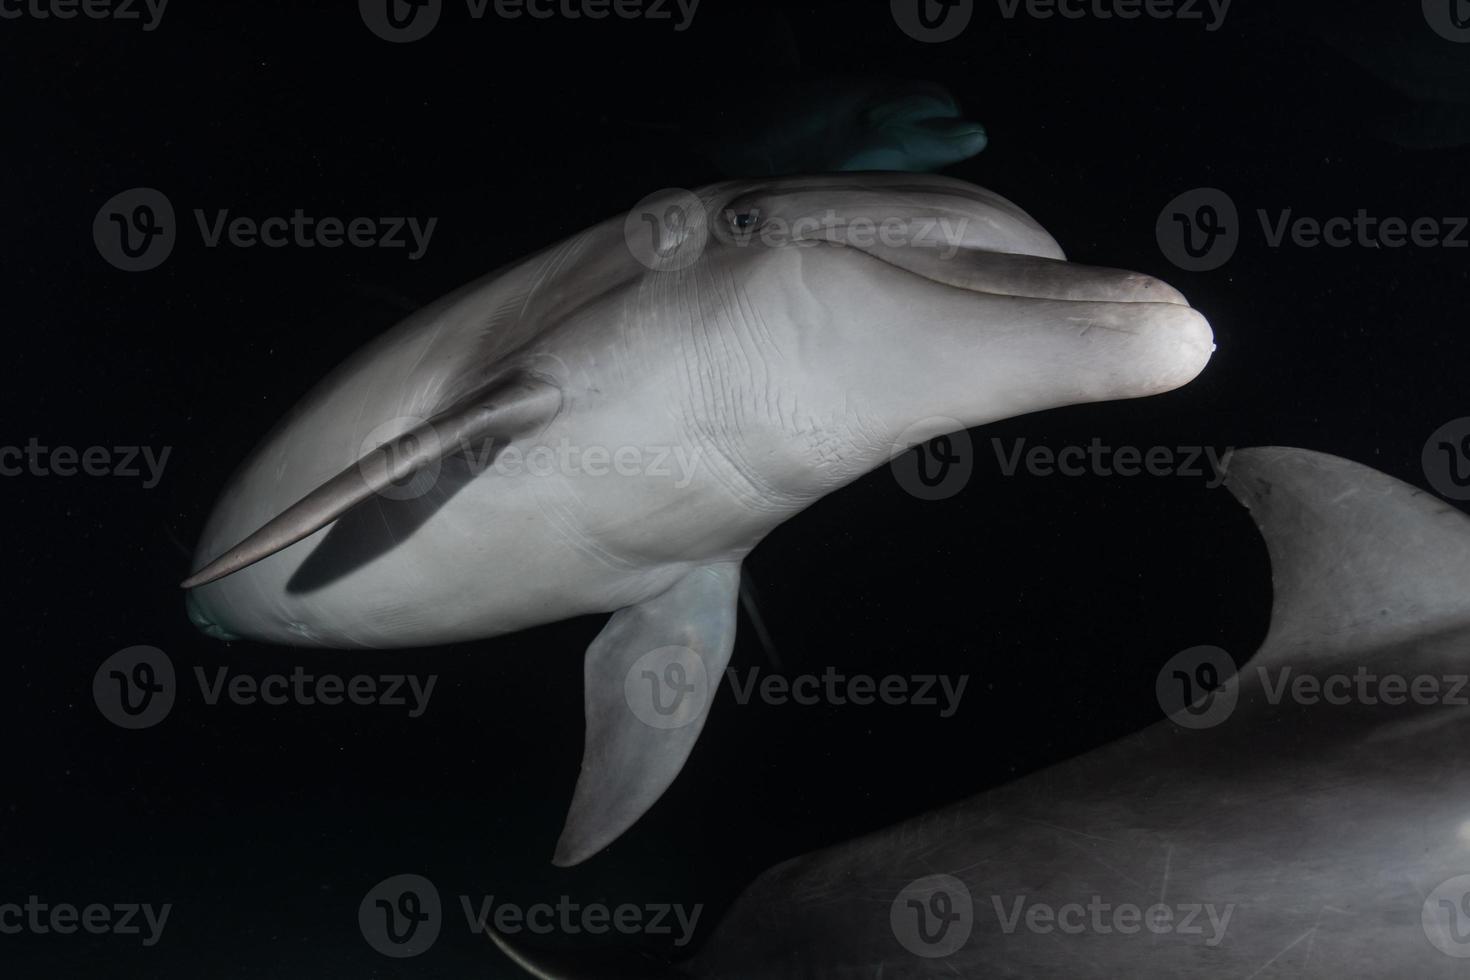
1092, 322
1288, 948
1066, 830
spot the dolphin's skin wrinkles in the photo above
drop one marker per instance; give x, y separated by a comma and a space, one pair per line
786, 366
1319, 829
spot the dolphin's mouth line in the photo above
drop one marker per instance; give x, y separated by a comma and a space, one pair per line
1019, 276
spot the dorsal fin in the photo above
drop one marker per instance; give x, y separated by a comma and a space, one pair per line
504, 409
1357, 557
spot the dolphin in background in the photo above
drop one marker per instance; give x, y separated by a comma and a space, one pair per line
793, 118
763, 331
1308, 817
834, 123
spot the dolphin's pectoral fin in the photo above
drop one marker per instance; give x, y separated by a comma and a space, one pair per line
377, 526
650, 676
502, 410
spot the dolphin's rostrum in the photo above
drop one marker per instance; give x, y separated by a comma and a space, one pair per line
790, 335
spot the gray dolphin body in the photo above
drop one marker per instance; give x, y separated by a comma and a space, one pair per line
1320, 828
778, 344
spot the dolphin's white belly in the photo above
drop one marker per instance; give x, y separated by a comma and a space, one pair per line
494, 559
603, 509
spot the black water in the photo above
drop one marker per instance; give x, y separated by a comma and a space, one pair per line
265, 826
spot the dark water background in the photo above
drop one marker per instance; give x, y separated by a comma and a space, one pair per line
1060, 597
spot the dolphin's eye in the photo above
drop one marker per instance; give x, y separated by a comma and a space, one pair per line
743, 220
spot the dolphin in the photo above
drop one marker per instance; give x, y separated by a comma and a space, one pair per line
831, 124
758, 331
1307, 817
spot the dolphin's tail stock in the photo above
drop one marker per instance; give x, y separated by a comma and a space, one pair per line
561, 966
